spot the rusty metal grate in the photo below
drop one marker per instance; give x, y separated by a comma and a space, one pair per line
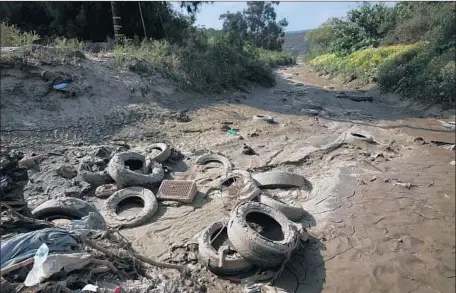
178, 190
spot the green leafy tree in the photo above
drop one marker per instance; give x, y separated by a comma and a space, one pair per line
257, 24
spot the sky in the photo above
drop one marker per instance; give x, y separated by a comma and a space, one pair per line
300, 15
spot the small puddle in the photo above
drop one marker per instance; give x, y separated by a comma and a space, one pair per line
130, 207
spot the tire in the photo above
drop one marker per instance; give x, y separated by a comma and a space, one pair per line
165, 151
96, 178
249, 188
256, 248
209, 257
279, 179
268, 119
361, 135
204, 159
63, 208
292, 211
110, 205
124, 177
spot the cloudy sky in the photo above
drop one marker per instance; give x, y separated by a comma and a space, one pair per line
300, 15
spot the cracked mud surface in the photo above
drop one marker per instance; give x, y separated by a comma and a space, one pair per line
379, 223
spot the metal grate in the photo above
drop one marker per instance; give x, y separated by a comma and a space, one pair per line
178, 190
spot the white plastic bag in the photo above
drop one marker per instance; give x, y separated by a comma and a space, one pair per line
36, 272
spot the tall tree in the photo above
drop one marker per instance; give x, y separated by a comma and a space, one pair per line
257, 24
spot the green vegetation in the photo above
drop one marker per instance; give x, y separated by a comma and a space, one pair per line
11, 36
408, 48
206, 59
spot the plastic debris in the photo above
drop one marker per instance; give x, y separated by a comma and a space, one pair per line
232, 132
36, 272
90, 288
60, 86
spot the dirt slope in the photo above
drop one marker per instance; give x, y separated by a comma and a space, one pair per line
371, 231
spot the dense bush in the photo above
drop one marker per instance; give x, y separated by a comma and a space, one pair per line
409, 48
421, 74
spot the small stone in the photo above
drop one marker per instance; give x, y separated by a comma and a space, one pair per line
247, 150
105, 190
188, 283
79, 155
66, 172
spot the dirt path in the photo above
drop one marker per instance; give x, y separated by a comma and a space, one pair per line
381, 216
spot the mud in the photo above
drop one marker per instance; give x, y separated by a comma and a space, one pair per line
381, 216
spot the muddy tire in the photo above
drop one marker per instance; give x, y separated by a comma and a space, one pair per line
249, 190
209, 256
63, 208
360, 135
293, 212
279, 179
141, 176
109, 208
268, 119
264, 251
163, 148
204, 159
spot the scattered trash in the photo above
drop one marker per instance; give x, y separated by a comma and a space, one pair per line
178, 190
60, 86
232, 132
90, 288
25, 245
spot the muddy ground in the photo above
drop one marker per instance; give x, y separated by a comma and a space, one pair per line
381, 216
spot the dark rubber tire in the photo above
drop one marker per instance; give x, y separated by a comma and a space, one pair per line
293, 212
209, 257
257, 249
279, 179
93, 178
124, 177
165, 152
204, 159
110, 206
60, 208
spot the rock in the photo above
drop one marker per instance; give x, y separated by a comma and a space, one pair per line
29, 162
66, 172
105, 190
247, 150
351, 77
452, 163
188, 283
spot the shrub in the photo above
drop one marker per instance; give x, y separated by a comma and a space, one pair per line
364, 63
422, 74
11, 36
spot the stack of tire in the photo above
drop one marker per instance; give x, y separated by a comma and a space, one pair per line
235, 245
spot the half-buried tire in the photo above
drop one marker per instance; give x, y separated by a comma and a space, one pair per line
214, 238
69, 208
261, 234
292, 211
109, 208
164, 151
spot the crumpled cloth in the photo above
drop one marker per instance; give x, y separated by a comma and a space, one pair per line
25, 245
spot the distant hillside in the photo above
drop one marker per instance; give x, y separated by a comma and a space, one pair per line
295, 43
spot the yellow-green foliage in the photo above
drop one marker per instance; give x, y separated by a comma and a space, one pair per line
157, 53
275, 58
68, 43
11, 36
364, 63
